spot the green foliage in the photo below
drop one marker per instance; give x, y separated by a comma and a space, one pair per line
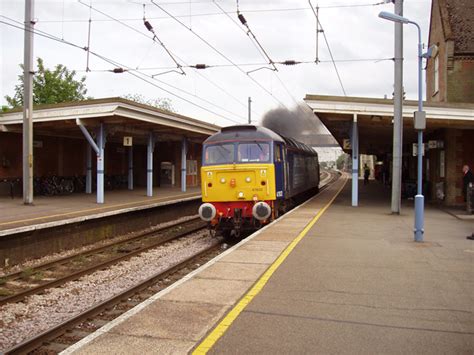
340, 161
50, 86
161, 103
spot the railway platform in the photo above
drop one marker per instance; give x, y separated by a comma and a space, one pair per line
324, 278
57, 223
51, 211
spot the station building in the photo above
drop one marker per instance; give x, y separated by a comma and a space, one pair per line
449, 107
142, 146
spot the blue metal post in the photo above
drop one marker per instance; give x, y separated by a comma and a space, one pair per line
130, 168
89, 170
100, 163
183, 165
149, 165
419, 198
355, 162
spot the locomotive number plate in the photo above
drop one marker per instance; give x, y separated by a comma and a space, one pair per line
279, 193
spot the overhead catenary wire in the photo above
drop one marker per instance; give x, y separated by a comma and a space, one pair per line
174, 55
226, 12
329, 48
135, 73
285, 62
267, 57
218, 52
149, 27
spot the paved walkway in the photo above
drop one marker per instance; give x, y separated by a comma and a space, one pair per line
351, 282
358, 284
15, 214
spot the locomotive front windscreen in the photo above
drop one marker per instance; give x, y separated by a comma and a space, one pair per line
253, 152
229, 153
219, 154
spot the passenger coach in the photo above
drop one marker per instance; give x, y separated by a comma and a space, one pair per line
251, 175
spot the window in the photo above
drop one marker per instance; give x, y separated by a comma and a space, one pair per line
436, 74
253, 152
219, 154
278, 155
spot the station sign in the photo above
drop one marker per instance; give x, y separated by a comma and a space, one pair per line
435, 144
415, 149
128, 141
346, 144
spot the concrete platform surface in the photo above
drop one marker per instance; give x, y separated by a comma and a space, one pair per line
50, 209
356, 283
174, 320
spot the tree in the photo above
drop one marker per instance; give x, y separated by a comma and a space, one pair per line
51, 86
340, 161
161, 103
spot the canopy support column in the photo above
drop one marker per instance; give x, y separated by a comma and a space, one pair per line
100, 163
149, 165
130, 168
89, 169
355, 162
183, 165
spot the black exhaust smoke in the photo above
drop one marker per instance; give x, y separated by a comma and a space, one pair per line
299, 123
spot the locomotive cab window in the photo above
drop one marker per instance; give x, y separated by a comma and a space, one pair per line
219, 154
278, 153
253, 152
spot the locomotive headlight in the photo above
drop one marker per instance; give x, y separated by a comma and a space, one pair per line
223, 181
207, 212
248, 179
240, 194
261, 211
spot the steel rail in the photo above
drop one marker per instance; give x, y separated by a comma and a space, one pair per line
98, 266
37, 341
45, 266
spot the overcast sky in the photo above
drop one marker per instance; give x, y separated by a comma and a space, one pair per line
285, 28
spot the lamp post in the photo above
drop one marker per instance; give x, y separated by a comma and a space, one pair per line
420, 125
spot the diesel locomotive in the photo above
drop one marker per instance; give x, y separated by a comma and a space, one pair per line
250, 175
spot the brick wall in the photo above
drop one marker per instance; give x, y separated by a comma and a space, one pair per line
456, 72
10, 155
452, 167
437, 37
461, 80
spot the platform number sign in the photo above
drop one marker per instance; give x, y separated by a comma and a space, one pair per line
128, 141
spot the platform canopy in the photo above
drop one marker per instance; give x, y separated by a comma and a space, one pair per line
374, 119
122, 118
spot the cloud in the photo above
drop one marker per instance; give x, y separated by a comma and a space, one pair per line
354, 32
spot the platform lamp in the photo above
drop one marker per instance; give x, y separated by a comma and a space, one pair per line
419, 124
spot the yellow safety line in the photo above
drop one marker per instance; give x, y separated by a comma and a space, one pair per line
94, 209
222, 327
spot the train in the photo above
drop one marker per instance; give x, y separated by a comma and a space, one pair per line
251, 175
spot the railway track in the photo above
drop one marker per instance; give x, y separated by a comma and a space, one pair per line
72, 330
76, 328
16, 286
